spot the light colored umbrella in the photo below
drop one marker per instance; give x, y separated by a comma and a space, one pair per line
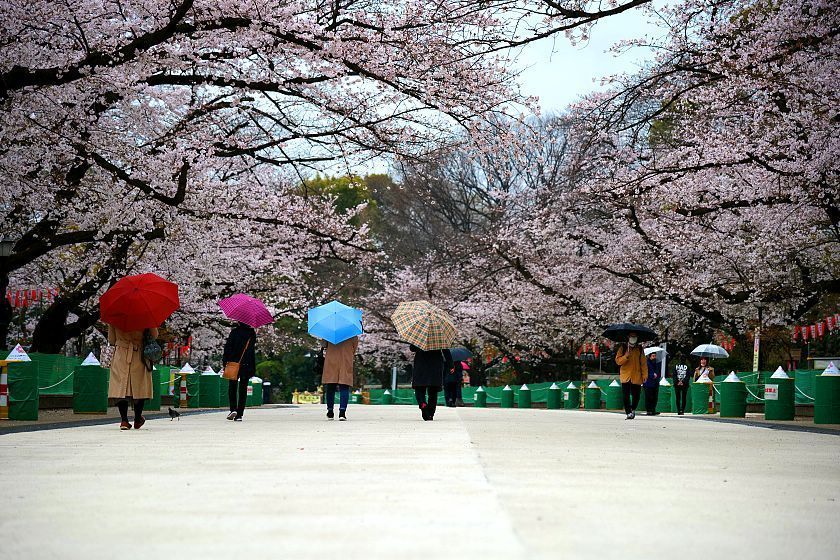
424, 325
651, 349
335, 322
710, 351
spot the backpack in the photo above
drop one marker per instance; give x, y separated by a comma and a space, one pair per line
152, 351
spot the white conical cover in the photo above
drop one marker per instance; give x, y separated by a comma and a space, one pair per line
480, 390
615, 383
664, 382
507, 388
704, 378
187, 369
256, 380
779, 374
524, 388
571, 386
266, 383
554, 386
387, 392
91, 361
593, 385
732, 378
831, 370
357, 392
208, 371
18, 355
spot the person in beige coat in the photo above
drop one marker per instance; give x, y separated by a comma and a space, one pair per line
338, 374
632, 373
129, 376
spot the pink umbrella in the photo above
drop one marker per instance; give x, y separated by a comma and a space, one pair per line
465, 366
246, 309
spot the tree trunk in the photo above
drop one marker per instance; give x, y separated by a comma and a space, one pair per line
50, 333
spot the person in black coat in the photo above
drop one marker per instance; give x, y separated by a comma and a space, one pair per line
239, 347
452, 382
427, 378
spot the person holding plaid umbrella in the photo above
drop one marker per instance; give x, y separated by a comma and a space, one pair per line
430, 333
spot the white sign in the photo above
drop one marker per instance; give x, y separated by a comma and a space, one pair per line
771, 392
18, 355
250, 390
565, 395
91, 361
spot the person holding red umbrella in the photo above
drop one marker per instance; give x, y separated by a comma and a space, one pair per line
134, 308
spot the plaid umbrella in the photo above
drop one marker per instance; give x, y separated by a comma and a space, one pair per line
424, 325
246, 309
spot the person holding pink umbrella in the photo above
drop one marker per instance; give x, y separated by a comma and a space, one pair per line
240, 354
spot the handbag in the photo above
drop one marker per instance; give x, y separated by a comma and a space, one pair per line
231, 372
152, 351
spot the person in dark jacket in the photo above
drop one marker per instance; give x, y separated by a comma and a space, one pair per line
452, 382
239, 347
681, 378
651, 384
427, 378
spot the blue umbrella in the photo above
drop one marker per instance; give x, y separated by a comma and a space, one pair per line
335, 322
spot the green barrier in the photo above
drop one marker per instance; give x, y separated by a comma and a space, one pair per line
571, 397
642, 400
733, 399
193, 390
779, 401
592, 397
55, 373
827, 399
507, 397
555, 397
164, 374
224, 388
90, 390
153, 404
664, 402
23, 390
208, 394
480, 398
387, 397
254, 390
615, 399
524, 400
699, 397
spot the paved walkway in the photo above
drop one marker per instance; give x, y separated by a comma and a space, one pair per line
475, 483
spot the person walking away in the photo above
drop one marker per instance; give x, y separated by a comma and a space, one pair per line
427, 378
681, 380
338, 375
131, 376
651, 384
710, 372
239, 347
632, 373
451, 383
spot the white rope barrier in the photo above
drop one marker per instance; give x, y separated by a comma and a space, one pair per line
803, 393
56, 384
753, 394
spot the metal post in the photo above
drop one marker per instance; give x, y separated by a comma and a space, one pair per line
663, 367
394, 378
757, 343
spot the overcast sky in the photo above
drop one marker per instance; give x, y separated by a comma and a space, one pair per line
559, 73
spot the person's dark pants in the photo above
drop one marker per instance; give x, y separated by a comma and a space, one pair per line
122, 406
681, 394
237, 401
631, 393
421, 393
651, 398
450, 393
343, 395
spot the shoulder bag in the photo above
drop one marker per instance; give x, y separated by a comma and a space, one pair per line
232, 368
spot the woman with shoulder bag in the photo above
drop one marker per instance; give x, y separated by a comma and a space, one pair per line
239, 355
130, 373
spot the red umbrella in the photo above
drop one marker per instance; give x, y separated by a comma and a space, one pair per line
139, 302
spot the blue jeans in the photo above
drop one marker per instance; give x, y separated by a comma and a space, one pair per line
344, 395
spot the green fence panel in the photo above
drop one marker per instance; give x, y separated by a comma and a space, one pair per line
827, 403
224, 388
254, 394
664, 402
90, 390
153, 404
780, 403
23, 391
55, 373
699, 397
208, 396
193, 390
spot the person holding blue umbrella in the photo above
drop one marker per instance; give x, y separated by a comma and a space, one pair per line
339, 326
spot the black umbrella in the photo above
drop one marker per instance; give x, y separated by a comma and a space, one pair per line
619, 332
460, 354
